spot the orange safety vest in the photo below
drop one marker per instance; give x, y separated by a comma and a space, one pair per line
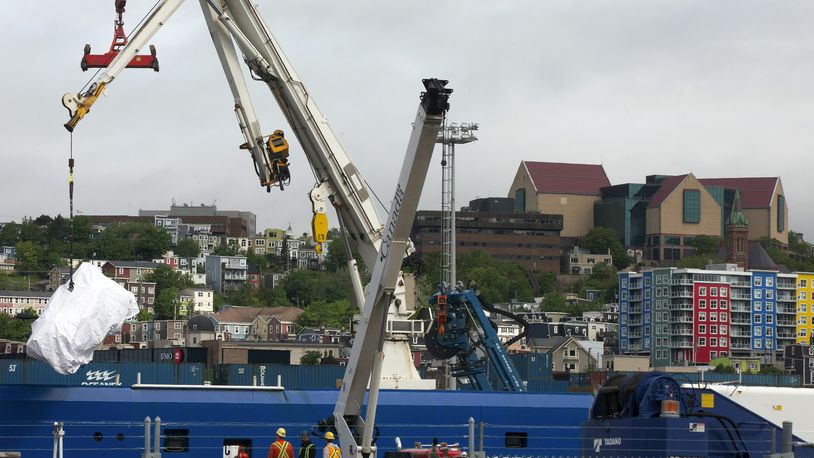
333, 451
284, 449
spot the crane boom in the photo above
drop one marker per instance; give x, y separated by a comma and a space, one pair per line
236, 23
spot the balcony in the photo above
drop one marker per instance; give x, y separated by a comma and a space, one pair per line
682, 319
635, 335
740, 345
681, 331
741, 308
735, 320
741, 284
786, 335
681, 343
786, 323
740, 296
681, 293
739, 333
682, 281
787, 285
786, 310
635, 298
784, 296
681, 306
635, 310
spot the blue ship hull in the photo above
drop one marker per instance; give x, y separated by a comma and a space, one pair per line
108, 421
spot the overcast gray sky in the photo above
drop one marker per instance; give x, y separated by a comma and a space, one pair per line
722, 88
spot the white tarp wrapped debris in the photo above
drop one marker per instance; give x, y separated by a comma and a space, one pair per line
75, 322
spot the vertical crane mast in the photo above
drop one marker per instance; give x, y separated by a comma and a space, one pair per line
364, 364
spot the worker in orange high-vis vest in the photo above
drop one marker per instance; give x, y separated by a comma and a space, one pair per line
331, 450
280, 448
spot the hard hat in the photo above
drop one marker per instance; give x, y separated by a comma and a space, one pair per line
279, 132
329, 435
281, 432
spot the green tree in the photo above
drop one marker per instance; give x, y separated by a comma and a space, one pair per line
600, 240
244, 296
310, 358
706, 245
144, 315
12, 328
166, 303
554, 302
29, 257
724, 369
335, 314
10, 234
164, 277
188, 248
151, 242
226, 249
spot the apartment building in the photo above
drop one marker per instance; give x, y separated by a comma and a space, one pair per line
226, 272
14, 302
693, 316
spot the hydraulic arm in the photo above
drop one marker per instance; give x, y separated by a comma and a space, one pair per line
462, 330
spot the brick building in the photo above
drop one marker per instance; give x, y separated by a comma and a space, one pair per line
528, 239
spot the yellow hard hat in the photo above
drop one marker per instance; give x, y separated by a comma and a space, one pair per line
329, 435
281, 432
278, 132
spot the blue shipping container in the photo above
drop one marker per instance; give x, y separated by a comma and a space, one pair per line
32, 372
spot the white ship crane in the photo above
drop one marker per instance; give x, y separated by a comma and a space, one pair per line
237, 23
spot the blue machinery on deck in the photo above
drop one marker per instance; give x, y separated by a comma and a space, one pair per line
650, 414
461, 329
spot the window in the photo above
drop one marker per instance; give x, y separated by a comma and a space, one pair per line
723, 329
176, 440
769, 294
758, 294
692, 206
713, 304
702, 341
520, 202
758, 331
702, 291
713, 316
713, 292
516, 440
769, 306
702, 303
781, 213
702, 329
803, 283
724, 292
803, 308
702, 316
713, 342
723, 304
758, 281
769, 332
803, 295
768, 344
713, 329
769, 281
723, 316
757, 319
176, 325
803, 332
158, 326
802, 320
769, 319
723, 343
812, 319
758, 306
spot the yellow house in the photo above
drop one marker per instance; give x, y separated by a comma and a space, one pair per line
805, 316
